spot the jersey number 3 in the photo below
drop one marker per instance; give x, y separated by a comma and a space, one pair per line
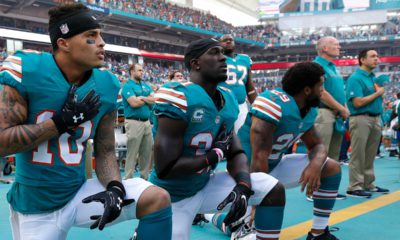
43, 155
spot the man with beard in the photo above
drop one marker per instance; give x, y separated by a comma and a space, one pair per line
194, 131
239, 78
277, 119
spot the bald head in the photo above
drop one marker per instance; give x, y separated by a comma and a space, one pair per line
328, 47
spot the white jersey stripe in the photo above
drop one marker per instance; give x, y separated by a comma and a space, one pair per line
181, 94
269, 101
269, 107
12, 66
18, 79
266, 113
171, 98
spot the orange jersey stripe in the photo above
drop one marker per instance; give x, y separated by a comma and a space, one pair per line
172, 94
267, 110
269, 104
13, 61
12, 71
173, 103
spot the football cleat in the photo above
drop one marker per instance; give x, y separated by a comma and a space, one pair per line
244, 232
324, 236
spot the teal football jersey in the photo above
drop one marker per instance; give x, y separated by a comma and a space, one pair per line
49, 176
191, 103
280, 109
238, 75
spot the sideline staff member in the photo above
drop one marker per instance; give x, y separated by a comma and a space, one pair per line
137, 97
363, 99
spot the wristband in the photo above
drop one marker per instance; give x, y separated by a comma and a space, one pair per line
116, 185
220, 154
251, 92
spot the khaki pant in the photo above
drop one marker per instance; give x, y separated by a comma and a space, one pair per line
325, 125
365, 134
139, 147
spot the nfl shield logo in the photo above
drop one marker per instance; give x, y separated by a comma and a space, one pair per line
64, 28
217, 119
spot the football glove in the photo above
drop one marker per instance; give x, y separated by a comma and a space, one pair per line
113, 201
239, 198
75, 113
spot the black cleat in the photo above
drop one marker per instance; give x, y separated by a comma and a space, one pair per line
199, 219
325, 236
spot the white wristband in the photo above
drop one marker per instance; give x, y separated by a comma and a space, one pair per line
220, 154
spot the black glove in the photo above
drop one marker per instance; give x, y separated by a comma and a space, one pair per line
75, 113
113, 201
239, 197
223, 139
220, 147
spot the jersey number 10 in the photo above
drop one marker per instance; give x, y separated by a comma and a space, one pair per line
43, 155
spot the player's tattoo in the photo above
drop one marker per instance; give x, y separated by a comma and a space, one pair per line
104, 146
15, 136
11, 107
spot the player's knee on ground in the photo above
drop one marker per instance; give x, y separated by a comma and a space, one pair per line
152, 200
276, 197
331, 168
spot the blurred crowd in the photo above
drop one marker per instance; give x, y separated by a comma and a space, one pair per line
3, 54
155, 72
266, 33
12, 23
270, 34
166, 11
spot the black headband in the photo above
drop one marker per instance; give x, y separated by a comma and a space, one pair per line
197, 48
71, 25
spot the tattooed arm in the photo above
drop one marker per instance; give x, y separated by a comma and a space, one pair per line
107, 169
15, 135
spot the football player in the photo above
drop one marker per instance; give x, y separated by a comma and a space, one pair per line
50, 106
279, 118
194, 132
239, 78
